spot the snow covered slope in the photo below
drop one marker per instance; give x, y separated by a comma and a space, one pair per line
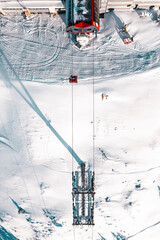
35, 119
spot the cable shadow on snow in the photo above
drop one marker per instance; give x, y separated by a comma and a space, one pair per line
136, 172
30, 101
119, 22
4, 234
153, 225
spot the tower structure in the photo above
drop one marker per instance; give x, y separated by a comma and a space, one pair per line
83, 196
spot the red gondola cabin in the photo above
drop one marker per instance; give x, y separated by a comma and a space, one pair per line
73, 79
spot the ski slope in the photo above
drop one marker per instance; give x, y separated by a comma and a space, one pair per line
36, 117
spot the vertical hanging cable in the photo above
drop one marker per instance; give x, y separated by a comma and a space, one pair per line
72, 130
72, 111
93, 127
93, 113
72, 119
92, 233
74, 233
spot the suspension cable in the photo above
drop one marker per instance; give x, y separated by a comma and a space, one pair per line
72, 106
33, 105
74, 233
22, 176
93, 105
25, 185
72, 131
92, 233
93, 116
93, 89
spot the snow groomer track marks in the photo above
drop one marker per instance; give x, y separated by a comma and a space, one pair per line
33, 47
49, 49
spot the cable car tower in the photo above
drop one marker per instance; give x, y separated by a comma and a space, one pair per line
83, 196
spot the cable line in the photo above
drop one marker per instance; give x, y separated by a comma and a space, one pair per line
93, 113
22, 176
83, 181
72, 112
93, 106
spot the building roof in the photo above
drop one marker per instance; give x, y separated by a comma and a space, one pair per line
105, 5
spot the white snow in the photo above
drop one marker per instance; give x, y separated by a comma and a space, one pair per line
36, 102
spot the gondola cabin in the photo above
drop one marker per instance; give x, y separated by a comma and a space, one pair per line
73, 79
82, 16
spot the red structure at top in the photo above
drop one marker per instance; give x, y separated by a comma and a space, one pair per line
82, 16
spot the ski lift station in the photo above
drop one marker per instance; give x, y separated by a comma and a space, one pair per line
82, 16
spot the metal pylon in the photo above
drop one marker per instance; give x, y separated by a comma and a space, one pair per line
83, 197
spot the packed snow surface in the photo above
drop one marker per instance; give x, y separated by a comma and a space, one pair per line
36, 58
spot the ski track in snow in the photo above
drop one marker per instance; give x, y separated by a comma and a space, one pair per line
155, 224
45, 47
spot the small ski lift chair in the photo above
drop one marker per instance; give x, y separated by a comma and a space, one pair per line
73, 79
128, 40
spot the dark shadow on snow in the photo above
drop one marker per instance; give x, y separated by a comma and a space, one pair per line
20, 209
49, 215
4, 234
62, 13
119, 25
119, 236
154, 14
102, 238
119, 22
32, 104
